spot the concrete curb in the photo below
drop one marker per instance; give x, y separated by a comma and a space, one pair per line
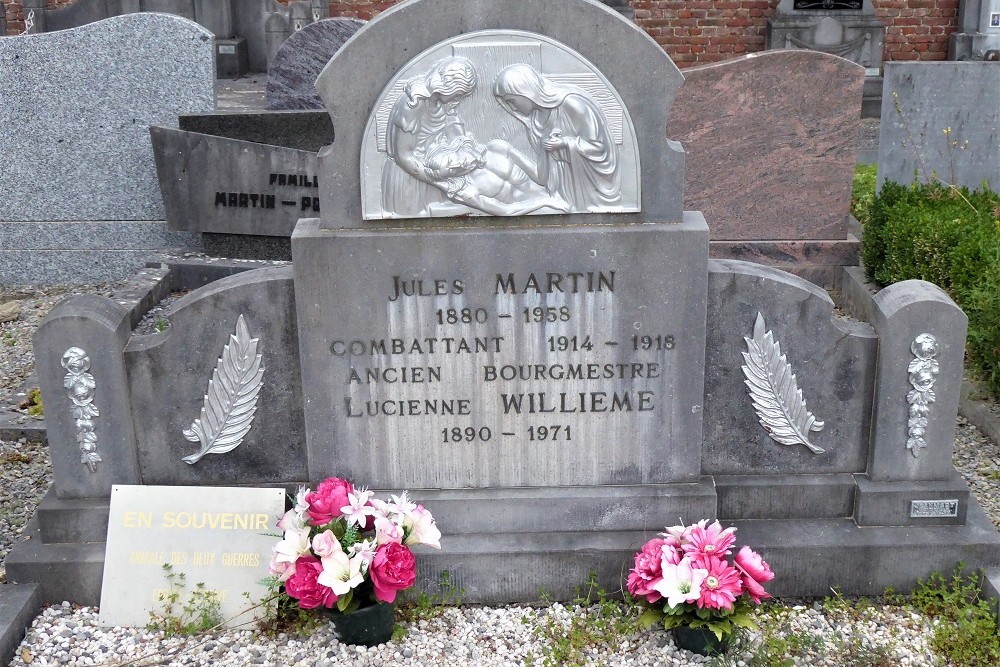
19, 604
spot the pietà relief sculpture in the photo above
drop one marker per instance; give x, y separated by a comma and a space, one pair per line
499, 123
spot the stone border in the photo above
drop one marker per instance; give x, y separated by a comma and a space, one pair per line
19, 604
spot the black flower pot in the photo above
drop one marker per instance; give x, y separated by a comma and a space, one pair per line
700, 640
367, 626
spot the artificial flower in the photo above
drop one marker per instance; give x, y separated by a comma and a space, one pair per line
755, 572
357, 510
326, 501
681, 582
304, 585
710, 539
421, 529
722, 586
393, 569
648, 571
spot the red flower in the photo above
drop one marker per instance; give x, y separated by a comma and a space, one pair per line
303, 585
392, 570
326, 501
648, 570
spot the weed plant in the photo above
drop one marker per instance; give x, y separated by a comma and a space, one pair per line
593, 624
965, 630
182, 614
863, 191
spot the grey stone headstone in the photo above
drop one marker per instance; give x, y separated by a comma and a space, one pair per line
169, 374
75, 107
353, 82
249, 17
215, 15
770, 152
833, 360
903, 312
291, 76
920, 102
302, 130
99, 327
509, 359
224, 186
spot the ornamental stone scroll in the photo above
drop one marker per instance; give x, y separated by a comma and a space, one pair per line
499, 122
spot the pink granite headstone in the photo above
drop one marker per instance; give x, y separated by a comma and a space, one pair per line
770, 141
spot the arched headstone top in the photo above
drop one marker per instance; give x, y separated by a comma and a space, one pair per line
571, 38
498, 122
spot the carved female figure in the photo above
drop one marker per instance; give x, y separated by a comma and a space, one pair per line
425, 113
577, 157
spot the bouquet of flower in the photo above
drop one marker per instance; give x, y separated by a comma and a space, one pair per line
344, 548
685, 578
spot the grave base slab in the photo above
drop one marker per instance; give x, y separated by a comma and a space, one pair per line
498, 566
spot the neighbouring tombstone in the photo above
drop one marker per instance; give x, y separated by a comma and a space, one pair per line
978, 33
223, 186
847, 28
771, 155
940, 121
75, 110
214, 15
434, 334
292, 72
177, 545
301, 130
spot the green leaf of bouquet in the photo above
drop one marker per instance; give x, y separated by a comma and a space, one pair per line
671, 622
649, 617
720, 629
345, 600
743, 620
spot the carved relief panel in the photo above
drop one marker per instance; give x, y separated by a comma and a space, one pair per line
498, 123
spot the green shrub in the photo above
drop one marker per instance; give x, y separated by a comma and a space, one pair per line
950, 237
863, 191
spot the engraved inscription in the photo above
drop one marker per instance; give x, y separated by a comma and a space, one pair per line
933, 508
81, 386
923, 369
498, 123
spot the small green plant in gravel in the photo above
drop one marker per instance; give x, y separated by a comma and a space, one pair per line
965, 633
35, 406
594, 623
184, 615
427, 606
161, 324
282, 614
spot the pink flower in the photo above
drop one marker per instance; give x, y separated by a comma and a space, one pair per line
326, 501
386, 531
393, 569
326, 544
710, 539
648, 570
304, 587
722, 586
755, 572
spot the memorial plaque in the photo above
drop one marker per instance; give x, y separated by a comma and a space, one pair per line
212, 535
829, 5
933, 508
503, 357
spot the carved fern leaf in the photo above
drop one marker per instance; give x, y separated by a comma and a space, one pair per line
774, 392
231, 401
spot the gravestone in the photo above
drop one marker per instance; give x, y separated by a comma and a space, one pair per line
294, 68
940, 121
848, 29
223, 186
75, 110
978, 32
502, 317
771, 157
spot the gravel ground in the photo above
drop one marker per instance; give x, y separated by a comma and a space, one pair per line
468, 635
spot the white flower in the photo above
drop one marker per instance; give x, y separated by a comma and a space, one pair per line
294, 544
680, 583
358, 510
340, 572
402, 504
301, 506
422, 529
366, 549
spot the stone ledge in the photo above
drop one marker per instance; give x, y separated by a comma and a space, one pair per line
19, 604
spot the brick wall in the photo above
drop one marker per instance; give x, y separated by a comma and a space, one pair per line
704, 31
14, 11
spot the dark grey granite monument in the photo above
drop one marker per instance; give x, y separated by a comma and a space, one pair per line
292, 73
517, 322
